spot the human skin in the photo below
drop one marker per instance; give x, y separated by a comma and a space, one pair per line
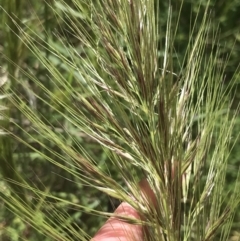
117, 230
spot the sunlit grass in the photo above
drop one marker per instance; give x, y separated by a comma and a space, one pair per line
153, 116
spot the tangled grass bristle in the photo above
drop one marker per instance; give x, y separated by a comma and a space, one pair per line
153, 115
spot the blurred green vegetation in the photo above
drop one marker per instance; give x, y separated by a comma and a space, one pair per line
32, 166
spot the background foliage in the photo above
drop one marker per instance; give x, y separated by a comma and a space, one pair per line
48, 177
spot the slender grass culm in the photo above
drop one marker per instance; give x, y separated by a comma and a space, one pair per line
104, 101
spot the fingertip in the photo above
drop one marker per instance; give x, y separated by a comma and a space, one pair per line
118, 230
148, 192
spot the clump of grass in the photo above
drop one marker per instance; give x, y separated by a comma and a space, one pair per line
155, 116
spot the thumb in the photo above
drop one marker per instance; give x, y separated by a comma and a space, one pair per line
117, 230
